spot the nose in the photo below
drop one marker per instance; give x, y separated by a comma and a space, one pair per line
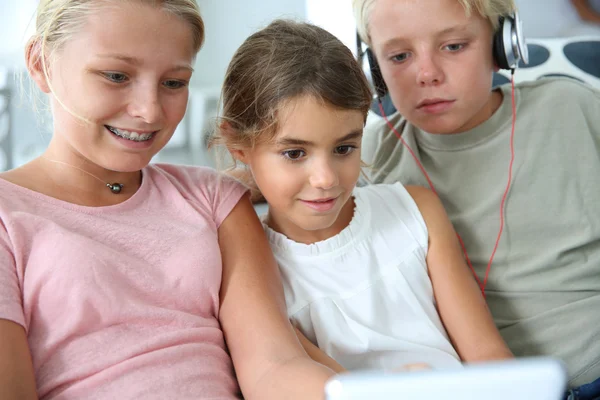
323, 175
145, 104
430, 73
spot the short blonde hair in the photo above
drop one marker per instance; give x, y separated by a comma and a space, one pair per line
490, 9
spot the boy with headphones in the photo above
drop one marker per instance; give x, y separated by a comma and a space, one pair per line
534, 243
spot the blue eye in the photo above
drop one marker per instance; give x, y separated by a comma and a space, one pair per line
293, 155
400, 57
116, 77
455, 47
175, 84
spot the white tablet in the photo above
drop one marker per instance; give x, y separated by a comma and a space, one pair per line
523, 379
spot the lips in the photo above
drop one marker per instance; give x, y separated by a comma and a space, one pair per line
136, 136
431, 102
435, 106
321, 205
321, 200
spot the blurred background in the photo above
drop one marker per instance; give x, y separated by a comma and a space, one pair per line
24, 132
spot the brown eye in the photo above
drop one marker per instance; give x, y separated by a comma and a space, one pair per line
344, 150
293, 154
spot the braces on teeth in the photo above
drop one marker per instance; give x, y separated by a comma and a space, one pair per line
134, 136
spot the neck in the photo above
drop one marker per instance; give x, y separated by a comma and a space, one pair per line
292, 231
81, 176
492, 105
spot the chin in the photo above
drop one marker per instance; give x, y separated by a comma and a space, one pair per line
320, 223
124, 165
441, 126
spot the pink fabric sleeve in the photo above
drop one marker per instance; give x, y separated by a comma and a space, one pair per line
11, 306
224, 193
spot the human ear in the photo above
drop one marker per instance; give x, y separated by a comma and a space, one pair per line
239, 155
238, 152
35, 64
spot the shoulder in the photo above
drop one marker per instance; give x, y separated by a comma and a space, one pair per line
382, 194
434, 214
184, 173
193, 176
377, 131
16, 193
560, 90
377, 125
562, 104
421, 194
392, 201
429, 204
196, 182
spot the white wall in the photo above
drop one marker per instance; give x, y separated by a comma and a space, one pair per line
16, 25
336, 16
552, 18
228, 24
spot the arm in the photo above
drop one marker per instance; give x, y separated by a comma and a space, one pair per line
322, 358
17, 380
462, 308
586, 12
317, 354
268, 358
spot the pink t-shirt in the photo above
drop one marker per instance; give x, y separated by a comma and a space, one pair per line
121, 302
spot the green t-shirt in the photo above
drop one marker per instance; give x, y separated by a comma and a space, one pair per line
544, 284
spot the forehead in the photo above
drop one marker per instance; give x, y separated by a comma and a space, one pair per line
314, 120
136, 30
410, 19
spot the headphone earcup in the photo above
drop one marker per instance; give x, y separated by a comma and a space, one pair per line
378, 82
499, 50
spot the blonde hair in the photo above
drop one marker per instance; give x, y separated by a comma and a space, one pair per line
490, 9
58, 21
278, 64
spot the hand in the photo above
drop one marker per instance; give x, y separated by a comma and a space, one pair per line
413, 367
585, 11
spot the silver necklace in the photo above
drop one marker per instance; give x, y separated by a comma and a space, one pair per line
113, 187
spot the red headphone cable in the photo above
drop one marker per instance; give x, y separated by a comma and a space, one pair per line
483, 284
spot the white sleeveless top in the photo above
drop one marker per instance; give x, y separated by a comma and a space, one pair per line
364, 296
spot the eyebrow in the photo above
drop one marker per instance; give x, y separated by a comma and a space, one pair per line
290, 141
136, 62
453, 29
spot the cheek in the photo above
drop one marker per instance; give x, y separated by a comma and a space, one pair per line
353, 173
395, 78
480, 67
73, 89
176, 107
401, 84
479, 82
274, 179
349, 170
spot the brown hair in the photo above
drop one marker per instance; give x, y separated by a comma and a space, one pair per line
282, 62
